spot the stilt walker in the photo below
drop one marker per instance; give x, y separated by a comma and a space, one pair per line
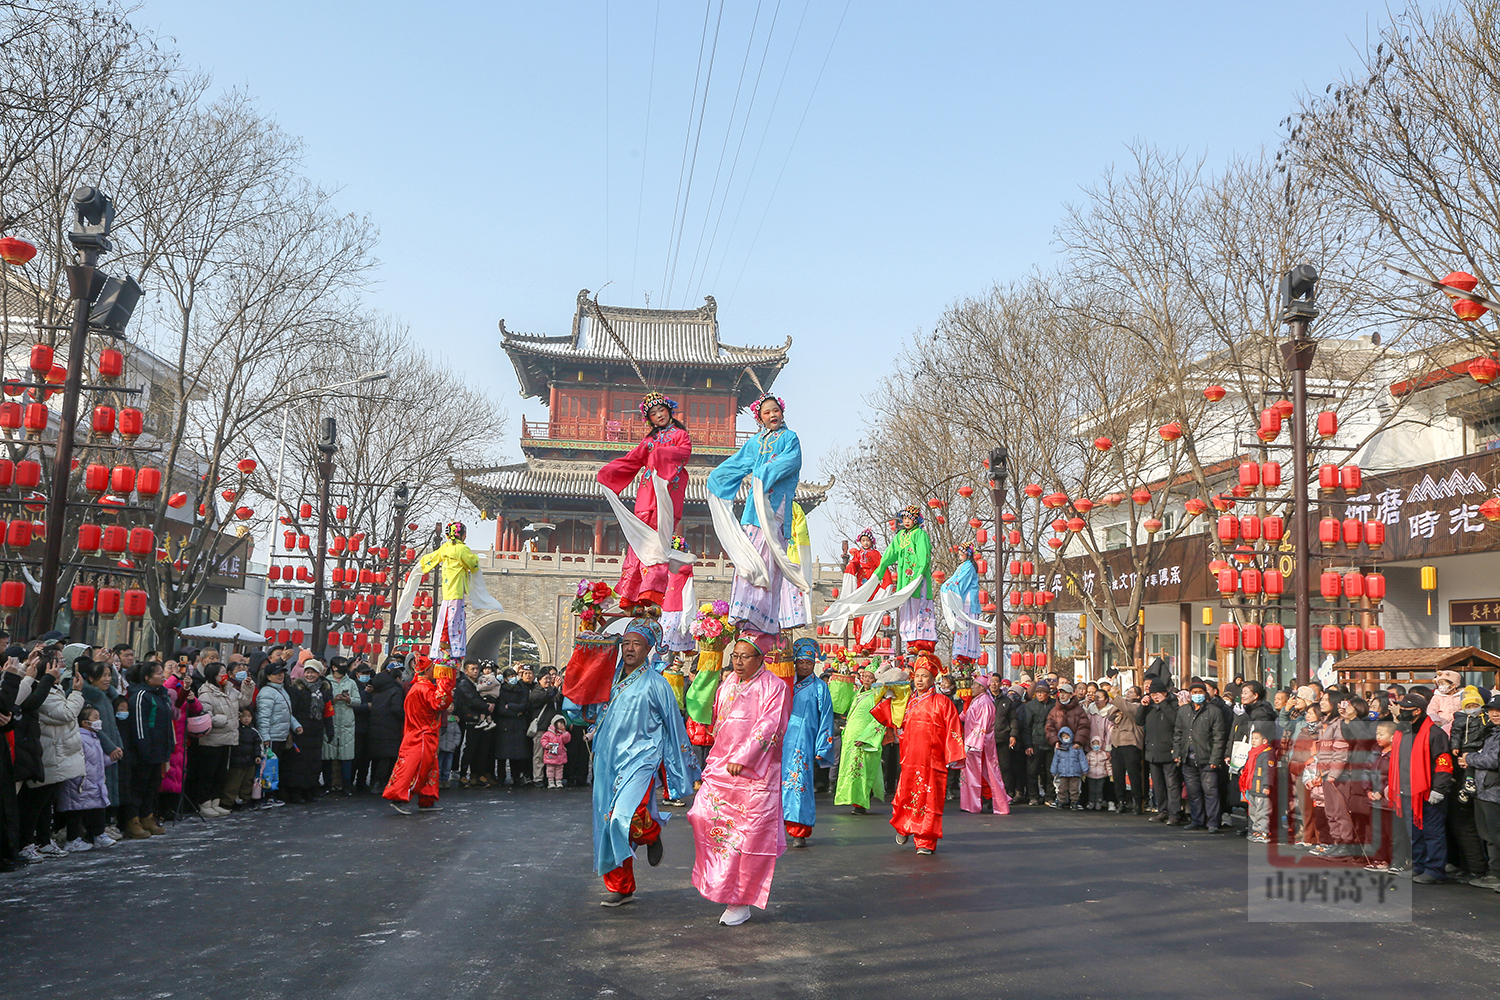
931, 739
771, 461
661, 459
960, 598
458, 561
426, 709
862, 563
638, 741
911, 553
809, 742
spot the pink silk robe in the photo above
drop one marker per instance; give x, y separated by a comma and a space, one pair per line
737, 820
664, 453
931, 738
982, 758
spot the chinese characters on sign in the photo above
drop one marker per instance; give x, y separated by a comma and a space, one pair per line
1485, 612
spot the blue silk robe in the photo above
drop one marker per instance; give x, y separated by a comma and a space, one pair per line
808, 741
773, 457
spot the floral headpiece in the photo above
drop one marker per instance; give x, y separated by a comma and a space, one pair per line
654, 399
648, 628
755, 406
969, 552
867, 533
929, 661
679, 543
455, 530
913, 510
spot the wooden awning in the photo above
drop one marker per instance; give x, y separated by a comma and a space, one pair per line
1414, 664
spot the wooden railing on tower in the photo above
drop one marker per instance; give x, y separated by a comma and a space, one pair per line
705, 435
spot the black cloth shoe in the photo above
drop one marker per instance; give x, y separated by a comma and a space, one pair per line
617, 899
654, 852
796, 841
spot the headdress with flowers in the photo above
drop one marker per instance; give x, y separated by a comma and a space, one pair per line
755, 406
588, 602
711, 627
654, 399
679, 543
454, 530
910, 509
866, 533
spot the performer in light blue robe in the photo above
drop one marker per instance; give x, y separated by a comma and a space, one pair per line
639, 733
965, 584
808, 742
774, 457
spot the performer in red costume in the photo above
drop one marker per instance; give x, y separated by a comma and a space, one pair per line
664, 453
862, 563
417, 762
931, 739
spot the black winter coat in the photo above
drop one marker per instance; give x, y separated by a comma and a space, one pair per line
512, 718
300, 768
1033, 723
1203, 730
28, 731
387, 715
362, 715
1007, 724
544, 702
10, 827
1262, 712
1158, 724
150, 734
467, 703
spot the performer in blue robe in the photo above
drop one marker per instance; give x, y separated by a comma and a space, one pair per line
774, 458
808, 741
639, 735
964, 585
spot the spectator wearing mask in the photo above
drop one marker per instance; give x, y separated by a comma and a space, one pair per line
273, 715
1101, 771
362, 677
82, 800
1199, 743
62, 759
1125, 749
98, 679
1445, 702
1483, 764
545, 702
1007, 734
512, 743
1037, 750
149, 738
185, 705
1157, 719
244, 765
477, 765
311, 709
1421, 777
209, 757
338, 749
387, 722
1069, 766
1068, 712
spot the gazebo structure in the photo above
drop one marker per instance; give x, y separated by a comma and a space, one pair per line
1413, 666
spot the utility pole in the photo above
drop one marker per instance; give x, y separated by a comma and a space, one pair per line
1297, 301
401, 503
328, 446
999, 472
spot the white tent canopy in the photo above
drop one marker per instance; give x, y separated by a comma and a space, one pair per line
222, 632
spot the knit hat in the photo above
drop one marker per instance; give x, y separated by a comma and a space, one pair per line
1471, 698
1306, 693
1451, 676
1158, 686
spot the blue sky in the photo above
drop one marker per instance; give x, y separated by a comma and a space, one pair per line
895, 157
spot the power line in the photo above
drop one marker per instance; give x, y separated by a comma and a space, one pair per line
724, 147
687, 196
686, 141
793, 146
645, 146
606, 140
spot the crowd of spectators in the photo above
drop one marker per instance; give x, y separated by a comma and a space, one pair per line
97, 747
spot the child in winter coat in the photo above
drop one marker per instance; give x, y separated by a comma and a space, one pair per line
555, 750
448, 741
244, 764
1069, 765
83, 799
1389, 832
1101, 770
1255, 783
488, 687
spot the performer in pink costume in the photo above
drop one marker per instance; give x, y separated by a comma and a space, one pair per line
737, 814
981, 759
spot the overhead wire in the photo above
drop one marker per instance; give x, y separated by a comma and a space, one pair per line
687, 196
645, 147
686, 142
734, 164
723, 151
828, 55
606, 139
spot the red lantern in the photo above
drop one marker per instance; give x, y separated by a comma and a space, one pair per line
270, 635
131, 423
274, 572
1229, 635
336, 606
304, 542
1214, 393
1075, 524
286, 605
1028, 568
340, 543
1250, 636
10, 415
1103, 443
337, 575
96, 478
1229, 528
148, 481
16, 252
142, 541
134, 603
1375, 638
1270, 475
83, 599
88, 537
177, 500
18, 534
1328, 424
1272, 582
122, 479
1273, 527
1152, 525
981, 536
271, 604
1270, 425
1354, 585
1330, 585
244, 513
1375, 587
246, 465
36, 417
104, 420
1250, 581
114, 539
1275, 637
283, 635
1375, 533
1328, 532
1349, 477
41, 359
1249, 474
1250, 528
1465, 309
1141, 495
1170, 432
299, 604
297, 635
305, 511
1354, 638
341, 511
1012, 537
12, 594
1333, 638
1328, 477
975, 523
1354, 530
111, 364
1056, 542
108, 601
966, 491
1484, 370
1229, 580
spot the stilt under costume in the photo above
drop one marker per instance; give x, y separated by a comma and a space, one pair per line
662, 454
737, 819
458, 561
931, 738
680, 605
960, 597
772, 459
911, 553
638, 738
981, 758
862, 563
809, 742
426, 709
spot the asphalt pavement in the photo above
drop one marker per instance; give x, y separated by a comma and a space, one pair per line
494, 897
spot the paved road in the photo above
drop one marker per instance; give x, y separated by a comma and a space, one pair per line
494, 898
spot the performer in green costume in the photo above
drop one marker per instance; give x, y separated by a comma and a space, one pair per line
859, 765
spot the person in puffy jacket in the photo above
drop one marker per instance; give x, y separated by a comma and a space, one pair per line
185, 704
1157, 718
209, 757
1483, 765
1126, 742
82, 800
387, 721
1199, 743
1034, 745
338, 748
273, 710
61, 759
244, 764
1070, 713
1069, 765
150, 737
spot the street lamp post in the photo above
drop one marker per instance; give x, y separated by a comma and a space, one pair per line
400, 504
1297, 301
999, 472
328, 446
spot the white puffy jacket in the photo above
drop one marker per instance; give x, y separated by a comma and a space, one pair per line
62, 747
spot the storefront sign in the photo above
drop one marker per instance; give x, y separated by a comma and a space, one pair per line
1178, 575
1485, 612
1430, 510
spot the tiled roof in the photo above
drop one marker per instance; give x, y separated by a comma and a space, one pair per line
653, 336
521, 480
1430, 657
